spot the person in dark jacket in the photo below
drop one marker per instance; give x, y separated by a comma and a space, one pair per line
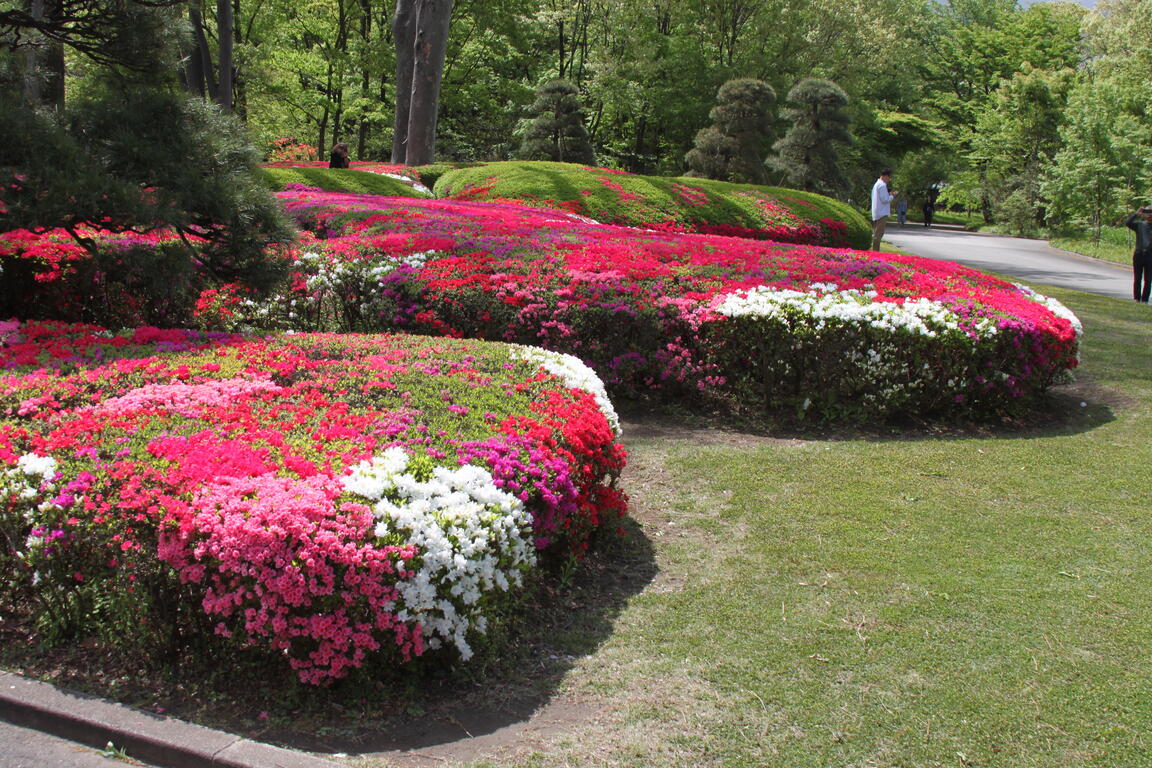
1140, 222
339, 157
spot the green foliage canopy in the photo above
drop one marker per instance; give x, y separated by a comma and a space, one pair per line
807, 155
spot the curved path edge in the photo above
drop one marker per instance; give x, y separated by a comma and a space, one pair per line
1034, 261
145, 736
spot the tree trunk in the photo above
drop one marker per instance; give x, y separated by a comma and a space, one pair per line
365, 74
404, 35
239, 82
225, 28
44, 62
199, 69
33, 81
431, 45
560, 47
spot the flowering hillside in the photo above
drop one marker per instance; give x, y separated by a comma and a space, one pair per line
656, 202
329, 498
832, 332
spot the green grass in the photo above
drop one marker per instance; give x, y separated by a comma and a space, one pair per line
969, 599
336, 180
637, 200
1114, 244
962, 218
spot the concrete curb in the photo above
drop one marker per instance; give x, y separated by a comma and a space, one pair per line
155, 739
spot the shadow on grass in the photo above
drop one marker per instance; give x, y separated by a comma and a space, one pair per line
1068, 409
570, 617
336, 180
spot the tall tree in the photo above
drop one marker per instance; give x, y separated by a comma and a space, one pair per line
732, 148
420, 29
807, 155
135, 153
557, 130
975, 47
1017, 136
211, 79
493, 50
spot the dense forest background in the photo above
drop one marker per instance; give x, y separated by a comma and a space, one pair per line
1031, 116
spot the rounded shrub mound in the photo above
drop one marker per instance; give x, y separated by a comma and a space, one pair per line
821, 333
328, 499
670, 204
387, 181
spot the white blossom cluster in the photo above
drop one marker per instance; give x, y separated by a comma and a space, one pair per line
328, 280
34, 465
574, 372
338, 274
29, 479
471, 538
825, 302
1055, 306
30, 483
416, 185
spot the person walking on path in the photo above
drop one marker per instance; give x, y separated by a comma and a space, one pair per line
1140, 222
881, 206
928, 209
902, 210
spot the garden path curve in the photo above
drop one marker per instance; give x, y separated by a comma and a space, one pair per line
1022, 258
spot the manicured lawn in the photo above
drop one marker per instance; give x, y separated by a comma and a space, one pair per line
967, 599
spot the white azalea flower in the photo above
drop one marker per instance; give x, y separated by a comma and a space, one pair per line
471, 538
573, 371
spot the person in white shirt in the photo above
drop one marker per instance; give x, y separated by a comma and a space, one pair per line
881, 206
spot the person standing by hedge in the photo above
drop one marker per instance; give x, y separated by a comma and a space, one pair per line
881, 206
1140, 222
339, 158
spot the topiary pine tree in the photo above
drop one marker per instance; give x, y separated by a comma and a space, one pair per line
731, 149
557, 129
807, 154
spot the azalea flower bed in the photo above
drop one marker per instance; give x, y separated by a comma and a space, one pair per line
830, 333
125, 279
331, 499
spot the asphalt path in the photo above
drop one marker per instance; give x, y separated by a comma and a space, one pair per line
26, 748
1032, 261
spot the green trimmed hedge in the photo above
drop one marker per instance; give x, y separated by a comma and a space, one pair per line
430, 174
699, 205
336, 180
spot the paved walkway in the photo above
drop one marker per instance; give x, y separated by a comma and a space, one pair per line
26, 748
42, 726
1033, 261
